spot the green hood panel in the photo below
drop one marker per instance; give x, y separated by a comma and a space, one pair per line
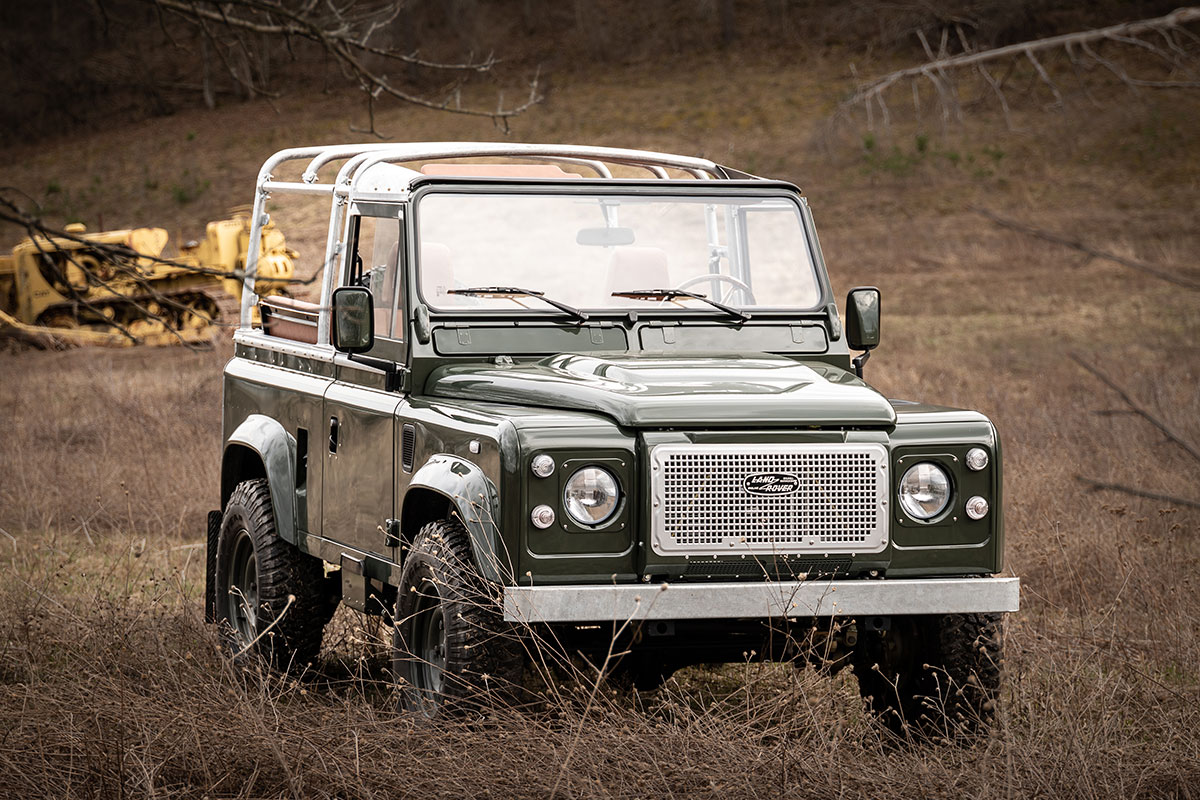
656, 390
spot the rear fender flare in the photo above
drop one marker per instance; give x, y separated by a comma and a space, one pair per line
276, 451
473, 499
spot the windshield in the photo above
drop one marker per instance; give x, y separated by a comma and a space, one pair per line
580, 249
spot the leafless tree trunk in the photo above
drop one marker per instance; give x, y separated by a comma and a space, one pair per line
1167, 38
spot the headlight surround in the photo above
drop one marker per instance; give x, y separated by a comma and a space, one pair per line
924, 491
591, 495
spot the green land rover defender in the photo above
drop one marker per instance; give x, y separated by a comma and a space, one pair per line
564, 394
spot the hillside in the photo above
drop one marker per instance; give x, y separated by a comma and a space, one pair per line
109, 683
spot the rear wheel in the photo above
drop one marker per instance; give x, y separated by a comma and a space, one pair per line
452, 649
271, 599
933, 676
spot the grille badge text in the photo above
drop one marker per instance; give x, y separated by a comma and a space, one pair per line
771, 483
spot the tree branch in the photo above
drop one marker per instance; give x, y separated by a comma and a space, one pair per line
1137, 408
1076, 244
1100, 486
941, 65
348, 41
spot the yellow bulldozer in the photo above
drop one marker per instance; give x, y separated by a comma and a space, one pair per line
117, 288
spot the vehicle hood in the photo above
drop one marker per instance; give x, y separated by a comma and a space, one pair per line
654, 390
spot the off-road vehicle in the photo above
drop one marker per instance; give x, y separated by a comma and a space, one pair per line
568, 391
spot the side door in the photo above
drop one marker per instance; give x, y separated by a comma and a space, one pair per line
358, 495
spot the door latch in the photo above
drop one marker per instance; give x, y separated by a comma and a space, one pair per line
334, 434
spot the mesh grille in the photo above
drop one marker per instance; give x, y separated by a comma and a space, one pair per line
721, 499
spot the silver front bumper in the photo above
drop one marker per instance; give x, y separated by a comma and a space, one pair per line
851, 598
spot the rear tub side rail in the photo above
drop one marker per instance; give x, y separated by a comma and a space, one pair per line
768, 599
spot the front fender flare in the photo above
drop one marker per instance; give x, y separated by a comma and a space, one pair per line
474, 499
276, 449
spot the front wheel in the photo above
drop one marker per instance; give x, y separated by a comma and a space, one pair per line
452, 650
933, 676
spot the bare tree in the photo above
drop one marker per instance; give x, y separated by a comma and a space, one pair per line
358, 36
1165, 38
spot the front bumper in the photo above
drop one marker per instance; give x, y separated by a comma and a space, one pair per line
841, 598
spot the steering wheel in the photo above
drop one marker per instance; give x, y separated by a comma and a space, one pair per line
718, 276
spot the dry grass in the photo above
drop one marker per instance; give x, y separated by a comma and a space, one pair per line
111, 686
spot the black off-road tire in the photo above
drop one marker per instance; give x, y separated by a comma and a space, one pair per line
642, 673
452, 651
933, 676
281, 585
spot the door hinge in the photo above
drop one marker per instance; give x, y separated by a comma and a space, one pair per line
391, 533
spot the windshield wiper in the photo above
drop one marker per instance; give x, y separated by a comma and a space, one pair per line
671, 294
512, 292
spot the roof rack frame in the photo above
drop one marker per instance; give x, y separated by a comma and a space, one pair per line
361, 157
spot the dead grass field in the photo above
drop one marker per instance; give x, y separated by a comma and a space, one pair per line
110, 686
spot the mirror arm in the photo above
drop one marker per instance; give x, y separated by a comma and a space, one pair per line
859, 361
393, 375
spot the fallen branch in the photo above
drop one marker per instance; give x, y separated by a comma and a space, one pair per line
1140, 410
1076, 244
1099, 486
940, 67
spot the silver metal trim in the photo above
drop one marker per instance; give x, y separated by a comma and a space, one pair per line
819, 540
255, 338
842, 598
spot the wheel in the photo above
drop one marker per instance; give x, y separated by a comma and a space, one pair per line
452, 650
718, 276
933, 676
645, 674
271, 599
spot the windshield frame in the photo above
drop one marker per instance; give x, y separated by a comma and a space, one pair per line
441, 185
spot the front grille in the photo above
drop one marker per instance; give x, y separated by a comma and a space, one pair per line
720, 500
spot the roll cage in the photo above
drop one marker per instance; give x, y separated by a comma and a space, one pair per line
357, 180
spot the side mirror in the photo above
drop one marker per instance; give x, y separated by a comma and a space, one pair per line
353, 319
862, 323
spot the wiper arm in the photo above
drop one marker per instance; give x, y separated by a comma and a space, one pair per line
671, 294
512, 292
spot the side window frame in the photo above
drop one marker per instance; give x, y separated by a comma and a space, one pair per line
392, 345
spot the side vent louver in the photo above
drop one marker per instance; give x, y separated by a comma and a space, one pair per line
408, 447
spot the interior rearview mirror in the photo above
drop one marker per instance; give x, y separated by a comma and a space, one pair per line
604, 237
353, 329
862, 318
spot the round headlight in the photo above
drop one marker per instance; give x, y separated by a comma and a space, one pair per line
977, 458
924, 491
591, 496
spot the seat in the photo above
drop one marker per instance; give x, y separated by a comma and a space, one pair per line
289, 318
437, 274
382, 293
632, 268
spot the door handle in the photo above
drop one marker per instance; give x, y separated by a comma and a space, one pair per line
333, 434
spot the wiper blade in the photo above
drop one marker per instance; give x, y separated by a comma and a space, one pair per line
511, 292
671, 294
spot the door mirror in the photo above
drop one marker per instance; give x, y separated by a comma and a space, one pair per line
353, 319
862, 318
